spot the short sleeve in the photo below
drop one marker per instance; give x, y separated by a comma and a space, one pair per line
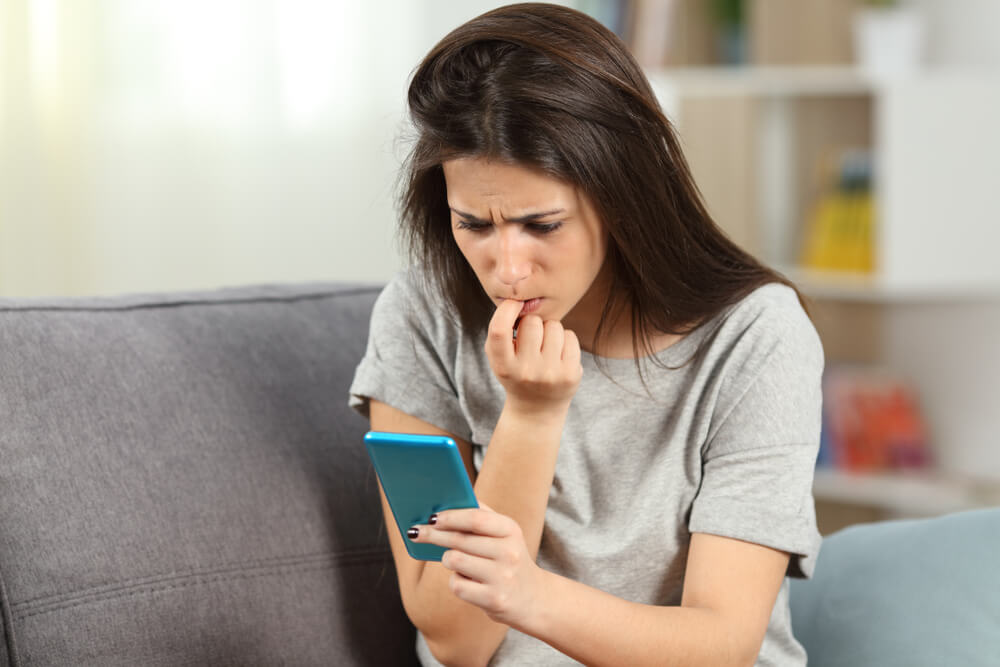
409, 359
759, 459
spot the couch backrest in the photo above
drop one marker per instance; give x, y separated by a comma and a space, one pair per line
182, 482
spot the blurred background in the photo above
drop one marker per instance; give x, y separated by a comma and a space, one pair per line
853, 144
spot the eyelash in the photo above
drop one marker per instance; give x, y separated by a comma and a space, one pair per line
538, 228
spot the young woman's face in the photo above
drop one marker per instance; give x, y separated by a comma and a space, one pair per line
529, 236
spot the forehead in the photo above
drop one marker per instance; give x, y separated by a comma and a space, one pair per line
475, 180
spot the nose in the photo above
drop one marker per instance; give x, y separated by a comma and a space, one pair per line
513, 263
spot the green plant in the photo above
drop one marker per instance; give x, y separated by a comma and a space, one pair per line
728, 12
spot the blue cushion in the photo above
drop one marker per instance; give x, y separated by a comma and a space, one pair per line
912, 592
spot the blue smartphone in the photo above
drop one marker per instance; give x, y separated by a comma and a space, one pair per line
421, 475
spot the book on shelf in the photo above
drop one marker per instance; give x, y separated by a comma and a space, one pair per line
872, 422
673, 33
841, 231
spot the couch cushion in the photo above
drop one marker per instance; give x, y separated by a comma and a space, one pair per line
182, 482
916, 592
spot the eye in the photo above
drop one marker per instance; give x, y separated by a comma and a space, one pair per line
472, 226
539, 228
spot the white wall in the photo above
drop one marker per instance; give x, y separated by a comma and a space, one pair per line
951, 351
962, 33
148, 145
951, 354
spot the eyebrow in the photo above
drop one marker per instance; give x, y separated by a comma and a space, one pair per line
531, 217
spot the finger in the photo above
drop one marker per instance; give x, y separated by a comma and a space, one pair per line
468, 543
476, 521
552, 344
530, 334
571, 348
469, 590
483, 595
500, 337
476, 568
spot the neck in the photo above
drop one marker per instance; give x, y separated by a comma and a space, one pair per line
616, 341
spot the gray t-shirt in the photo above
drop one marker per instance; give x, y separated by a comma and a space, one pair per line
723, 444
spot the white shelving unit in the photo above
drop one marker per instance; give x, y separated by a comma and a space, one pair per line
904, 495
750, 134
764, 81
863, 288
937, 168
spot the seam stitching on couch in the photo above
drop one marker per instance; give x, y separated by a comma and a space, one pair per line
193, 302
220, 568
195, 580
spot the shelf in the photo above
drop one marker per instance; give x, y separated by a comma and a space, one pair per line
870, 288
763, 81
800, 80
903, 494
758, 139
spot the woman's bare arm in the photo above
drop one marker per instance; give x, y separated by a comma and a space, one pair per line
540, 373
515, 480
730, 588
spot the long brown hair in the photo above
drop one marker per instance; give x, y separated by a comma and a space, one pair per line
549, 87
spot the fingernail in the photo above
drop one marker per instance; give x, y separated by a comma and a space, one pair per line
412, 533
433, 520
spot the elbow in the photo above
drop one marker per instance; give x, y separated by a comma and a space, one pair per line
745, 654
453, 646
456, 634
739, 647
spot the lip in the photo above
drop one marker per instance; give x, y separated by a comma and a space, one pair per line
527, 305
531, 305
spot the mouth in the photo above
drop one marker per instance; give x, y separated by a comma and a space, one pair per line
527, 305
531, 305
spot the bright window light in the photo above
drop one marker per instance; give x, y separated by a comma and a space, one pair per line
319, 53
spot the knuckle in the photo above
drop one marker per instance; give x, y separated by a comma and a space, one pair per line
495, 334
502, 371
454, 558
498, 601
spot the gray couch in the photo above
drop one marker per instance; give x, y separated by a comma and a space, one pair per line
182, 483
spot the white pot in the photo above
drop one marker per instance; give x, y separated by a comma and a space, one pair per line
889, 41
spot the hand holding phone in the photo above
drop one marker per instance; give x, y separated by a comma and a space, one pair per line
420, 475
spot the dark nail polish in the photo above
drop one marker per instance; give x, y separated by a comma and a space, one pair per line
433, 520
412, 533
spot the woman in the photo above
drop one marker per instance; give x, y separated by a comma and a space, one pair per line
637, 400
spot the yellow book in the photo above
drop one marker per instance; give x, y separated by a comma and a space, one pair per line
819, 251
840, 235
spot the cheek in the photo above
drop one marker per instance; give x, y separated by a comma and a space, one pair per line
472, 252
581, 255
460, 243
